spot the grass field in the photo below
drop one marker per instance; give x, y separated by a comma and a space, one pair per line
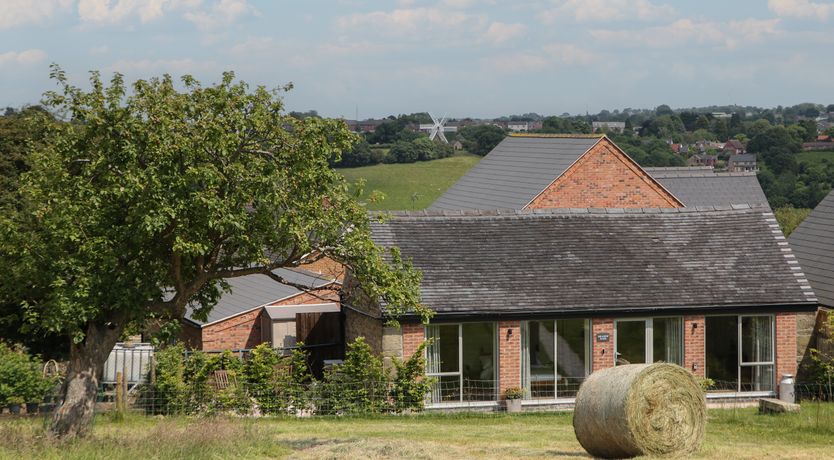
400, 182
731, 434
812, 157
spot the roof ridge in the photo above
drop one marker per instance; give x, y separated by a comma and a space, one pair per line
741, 207
558, 136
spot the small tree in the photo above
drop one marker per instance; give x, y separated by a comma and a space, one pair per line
410, 384
146, 202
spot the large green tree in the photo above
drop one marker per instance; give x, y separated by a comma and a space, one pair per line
481, 139
154, 195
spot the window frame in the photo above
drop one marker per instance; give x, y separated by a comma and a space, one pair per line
739, 352
649, 337
525, 351
459, 372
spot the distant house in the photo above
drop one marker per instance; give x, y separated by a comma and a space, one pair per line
260, 310
457, 145
518, 126
734, 147
364, 126
742, 163
700, 159
822, 142
608, 126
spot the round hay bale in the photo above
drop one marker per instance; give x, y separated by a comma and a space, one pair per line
640, 409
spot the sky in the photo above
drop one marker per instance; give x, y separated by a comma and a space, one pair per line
479, 58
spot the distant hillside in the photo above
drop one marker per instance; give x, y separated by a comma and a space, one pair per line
400, 182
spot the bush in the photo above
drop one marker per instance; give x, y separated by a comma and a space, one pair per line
359, 385
170, 391
21, 377
410, 385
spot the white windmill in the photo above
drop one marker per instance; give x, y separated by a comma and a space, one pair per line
438, 128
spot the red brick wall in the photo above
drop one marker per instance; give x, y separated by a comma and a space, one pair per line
509, 355
191, 336
785, 345
244, 331
604, 178
326, 266
603, 352
694, 345
413, 336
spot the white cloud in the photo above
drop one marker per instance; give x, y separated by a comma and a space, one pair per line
551, 55
606, 10
685, 32
222, 13
18, 12
499, 32
108, 11
173, 66
29, 56
516, 63
801, 9
411, 21
568, 53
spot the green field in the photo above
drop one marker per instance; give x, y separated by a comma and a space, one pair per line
815, 156
731, 433
411, 185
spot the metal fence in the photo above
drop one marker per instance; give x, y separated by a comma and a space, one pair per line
316, 398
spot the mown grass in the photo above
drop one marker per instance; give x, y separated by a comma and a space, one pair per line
410, 185
731, 433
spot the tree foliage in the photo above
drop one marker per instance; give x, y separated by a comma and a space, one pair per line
147, 201
481, 139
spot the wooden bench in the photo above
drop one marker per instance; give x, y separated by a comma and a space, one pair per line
776, 406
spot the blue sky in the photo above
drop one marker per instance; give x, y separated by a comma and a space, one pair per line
461, 57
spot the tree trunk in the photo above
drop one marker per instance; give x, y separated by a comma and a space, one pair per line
74, 417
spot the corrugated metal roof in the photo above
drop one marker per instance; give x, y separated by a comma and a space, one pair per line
513, 173
813, 244
705, 187
253, 291
580, 261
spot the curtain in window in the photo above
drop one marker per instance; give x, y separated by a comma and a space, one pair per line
433, 360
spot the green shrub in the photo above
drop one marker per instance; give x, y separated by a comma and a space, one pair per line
170, 392
410, 385
21, 377
359, 385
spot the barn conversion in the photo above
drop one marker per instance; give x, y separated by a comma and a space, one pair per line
558, 256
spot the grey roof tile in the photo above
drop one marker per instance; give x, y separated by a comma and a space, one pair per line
705, 187
513, 173
567, 262
813, 244
252, 291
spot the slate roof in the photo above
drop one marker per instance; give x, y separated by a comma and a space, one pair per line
521, 167
254, 291
514, 172
702, 186
742, 157
563, 262
813, 244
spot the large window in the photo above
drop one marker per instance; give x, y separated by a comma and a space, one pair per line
555, 357
649, 340
461, 358
739, 352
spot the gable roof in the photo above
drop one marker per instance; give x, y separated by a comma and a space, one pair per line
514, 172
813, 244
254, 291
702, 186
580, 261
742, 157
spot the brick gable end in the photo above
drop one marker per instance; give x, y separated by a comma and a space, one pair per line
604, 177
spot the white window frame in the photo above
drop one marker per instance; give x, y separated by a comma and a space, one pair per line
649, 336
739, 363
525, 348
459, 372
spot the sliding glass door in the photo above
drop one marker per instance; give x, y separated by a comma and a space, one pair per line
461, 357
739, 352
555, 357
649, 340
